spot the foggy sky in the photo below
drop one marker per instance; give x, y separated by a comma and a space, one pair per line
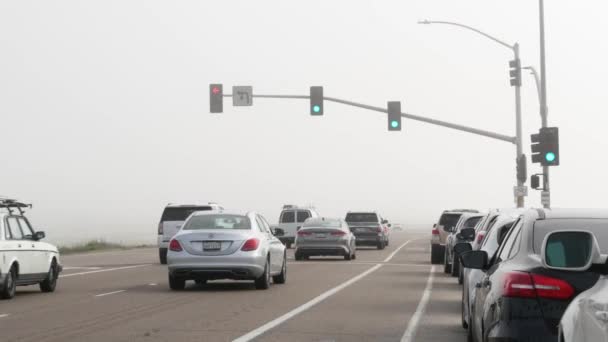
105, 115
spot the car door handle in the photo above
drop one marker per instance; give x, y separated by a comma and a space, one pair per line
33, 246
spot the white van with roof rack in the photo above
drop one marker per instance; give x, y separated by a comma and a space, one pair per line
291, 219
172, 220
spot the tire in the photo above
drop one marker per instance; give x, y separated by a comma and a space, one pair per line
263, 282
460, 273
10, 286
299, 257
50, 283
176, 284
354, 255
387, 242
464, 324
348, 256
455, 266
288, 245
470, 333
381, 245
281, 278
162, 256
447, 268
436, 254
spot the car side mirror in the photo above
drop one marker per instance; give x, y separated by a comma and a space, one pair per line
571, 250
435, 225
278, 232
474, 259
384, 221
389, 225
39, 236
462, 247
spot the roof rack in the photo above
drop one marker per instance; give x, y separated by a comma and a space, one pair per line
10, 204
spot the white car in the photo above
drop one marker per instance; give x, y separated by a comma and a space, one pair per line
586, 318
226, 245
24, 258
171, 221
291, 220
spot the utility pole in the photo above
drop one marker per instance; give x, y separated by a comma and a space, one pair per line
544, 109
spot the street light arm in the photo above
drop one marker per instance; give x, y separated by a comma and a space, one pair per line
536, 79
511, 47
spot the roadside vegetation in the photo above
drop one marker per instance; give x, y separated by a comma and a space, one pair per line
96, 245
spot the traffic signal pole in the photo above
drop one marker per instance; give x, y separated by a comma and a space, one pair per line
488, 134
544, 109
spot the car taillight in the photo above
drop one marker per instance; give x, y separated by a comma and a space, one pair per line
379, 229
304, 233
175, 246
435, 231
250, 245
525, 285
160, 228
338, 233
480, 237
553, 288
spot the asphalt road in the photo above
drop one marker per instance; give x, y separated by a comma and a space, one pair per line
388, 295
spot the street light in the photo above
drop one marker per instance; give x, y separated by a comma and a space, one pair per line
520, 191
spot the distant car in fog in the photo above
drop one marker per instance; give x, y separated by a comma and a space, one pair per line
26, 259
291, 219
467, 221
171, 221
441, 230
325, 237
369, 228
226, 245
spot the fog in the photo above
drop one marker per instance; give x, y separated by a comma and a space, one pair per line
105, 115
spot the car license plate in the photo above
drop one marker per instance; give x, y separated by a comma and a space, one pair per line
321, 235
212, 245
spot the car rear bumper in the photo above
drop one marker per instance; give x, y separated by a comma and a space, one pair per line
162, 242
322, 250
236, 272
363, 240
241, 265
522, 330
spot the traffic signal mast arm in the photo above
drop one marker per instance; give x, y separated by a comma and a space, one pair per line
472, 130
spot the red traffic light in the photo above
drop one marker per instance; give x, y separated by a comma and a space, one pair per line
215, 90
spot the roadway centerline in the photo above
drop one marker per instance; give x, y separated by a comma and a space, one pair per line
109, 293
281, 319
412, 326
4, 315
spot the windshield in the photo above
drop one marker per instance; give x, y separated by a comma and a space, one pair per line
361, 217
180, 213
220, 221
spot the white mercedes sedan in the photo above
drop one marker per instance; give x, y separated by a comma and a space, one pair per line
215, 245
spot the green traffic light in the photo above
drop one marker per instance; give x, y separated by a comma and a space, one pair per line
394, 124
550, 157
316, 108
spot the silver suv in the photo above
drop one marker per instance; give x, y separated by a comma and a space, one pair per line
172, 220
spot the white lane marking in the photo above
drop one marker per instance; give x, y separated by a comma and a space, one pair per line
412, 326
338, 263
152, 284
109, 293
397, 251
278, 321
3, 315
103, 270
80, 268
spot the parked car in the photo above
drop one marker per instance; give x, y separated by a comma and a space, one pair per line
483, 226
586, 318
226, 245
543, 263
291, 219
323, 237
171, 221
467, 221
369, 227
472, 277
24, 258
441, 230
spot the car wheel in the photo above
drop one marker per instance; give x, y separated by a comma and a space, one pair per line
176, 283
446, 267
455, 266
460, 273
288, 245
162, 256
436, 256
464, 323
298, 256
348, 255
281, 278
10, 285
470, 337
354, 255
381, 245
50, 283
387, 242
263, 282
200, 282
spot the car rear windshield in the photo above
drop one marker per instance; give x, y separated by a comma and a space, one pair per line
361, 217
219, 221
322, 223
472, 222
180, 213
449, 220
596, 226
